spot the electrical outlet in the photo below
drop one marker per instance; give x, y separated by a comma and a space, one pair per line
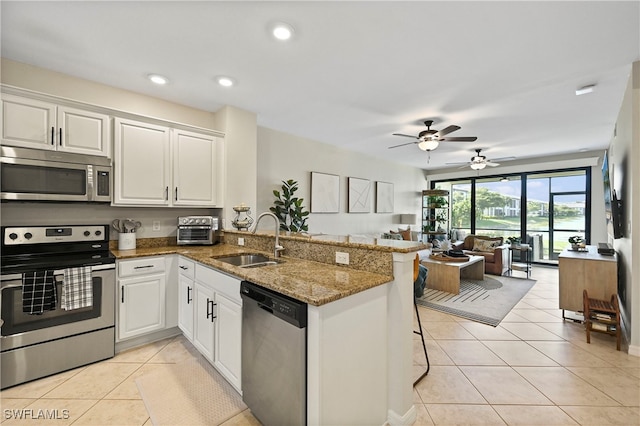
240, 241
342, 258
155, 225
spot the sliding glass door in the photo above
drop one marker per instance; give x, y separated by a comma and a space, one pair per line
542, 208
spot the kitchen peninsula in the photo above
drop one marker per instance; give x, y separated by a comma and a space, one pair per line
360, 317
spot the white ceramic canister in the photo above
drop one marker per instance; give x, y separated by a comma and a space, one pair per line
127, 241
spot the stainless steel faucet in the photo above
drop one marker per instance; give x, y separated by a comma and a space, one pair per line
278, 248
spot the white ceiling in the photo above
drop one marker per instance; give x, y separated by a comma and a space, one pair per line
359, 71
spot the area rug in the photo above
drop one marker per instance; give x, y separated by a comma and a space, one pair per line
189, 393
487, 301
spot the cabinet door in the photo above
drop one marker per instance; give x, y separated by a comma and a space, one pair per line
141, 305
185, 305
194, 169
204, 320
83, 132
28, 123
228, 345
141, 163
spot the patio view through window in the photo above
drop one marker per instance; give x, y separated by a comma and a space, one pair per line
543, 209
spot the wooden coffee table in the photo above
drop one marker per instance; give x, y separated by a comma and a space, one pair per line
445, 276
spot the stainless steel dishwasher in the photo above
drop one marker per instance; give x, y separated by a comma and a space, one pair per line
274, 356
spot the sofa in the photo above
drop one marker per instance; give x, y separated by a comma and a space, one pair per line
491, 248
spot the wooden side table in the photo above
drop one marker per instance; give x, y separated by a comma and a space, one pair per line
602, 316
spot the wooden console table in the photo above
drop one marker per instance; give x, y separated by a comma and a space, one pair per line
589, 271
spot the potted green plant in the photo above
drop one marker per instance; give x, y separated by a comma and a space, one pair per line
576, 241
289, 209
514, 241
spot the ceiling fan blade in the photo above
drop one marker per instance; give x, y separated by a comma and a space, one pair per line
504, 159
406, 136
460, 139
402, 144
491, 164
447, 130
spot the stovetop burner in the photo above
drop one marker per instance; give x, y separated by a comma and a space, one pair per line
35, 248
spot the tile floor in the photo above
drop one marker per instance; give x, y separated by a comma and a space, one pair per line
533, 369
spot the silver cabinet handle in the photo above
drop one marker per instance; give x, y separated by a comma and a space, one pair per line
143, 267
122, 293
166, 193
176, 193
184, 268
189, 299
60, 141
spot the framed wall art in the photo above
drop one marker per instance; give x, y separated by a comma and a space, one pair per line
325, 193
359, 195
384, 197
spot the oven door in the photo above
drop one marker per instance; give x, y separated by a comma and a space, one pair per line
195, 235
20, 329
38, 180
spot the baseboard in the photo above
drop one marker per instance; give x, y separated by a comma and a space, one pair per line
147, 338
634, 350
408, 418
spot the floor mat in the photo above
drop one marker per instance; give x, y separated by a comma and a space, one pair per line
189, 393
487, 301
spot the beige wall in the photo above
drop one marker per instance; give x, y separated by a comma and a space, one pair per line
282, 156
624, 152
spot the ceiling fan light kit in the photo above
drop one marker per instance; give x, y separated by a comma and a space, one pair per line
428, 145
478, 165
428, 140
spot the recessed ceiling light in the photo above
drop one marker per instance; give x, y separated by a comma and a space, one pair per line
585, 89
225, 81
282, 31
158, 79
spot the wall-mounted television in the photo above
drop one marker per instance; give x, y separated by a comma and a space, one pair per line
612, 206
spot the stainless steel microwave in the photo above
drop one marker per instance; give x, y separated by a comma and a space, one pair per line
40, 175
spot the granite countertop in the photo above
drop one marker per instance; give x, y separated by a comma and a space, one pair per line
312, 282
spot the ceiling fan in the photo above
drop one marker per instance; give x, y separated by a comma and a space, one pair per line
429, 139
479, 162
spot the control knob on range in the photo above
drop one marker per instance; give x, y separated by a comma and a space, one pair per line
86, 233
28, 235
98, 233
13, 235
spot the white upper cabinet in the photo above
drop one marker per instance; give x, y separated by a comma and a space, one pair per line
31, 123
141, 163
194, 169
156, 165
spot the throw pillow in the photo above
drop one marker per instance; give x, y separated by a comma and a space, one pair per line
391, 236
484, 245
406, 233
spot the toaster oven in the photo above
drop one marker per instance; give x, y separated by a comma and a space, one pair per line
198, 230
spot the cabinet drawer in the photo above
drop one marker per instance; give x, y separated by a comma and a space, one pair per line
142, 266
186, 267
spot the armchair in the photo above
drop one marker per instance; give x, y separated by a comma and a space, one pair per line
491, 248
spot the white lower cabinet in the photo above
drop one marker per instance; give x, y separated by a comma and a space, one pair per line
141, 296
210, 315
204, 321
227, 356
186, 272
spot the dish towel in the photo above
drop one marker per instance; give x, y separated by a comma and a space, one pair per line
77, 288
38, 292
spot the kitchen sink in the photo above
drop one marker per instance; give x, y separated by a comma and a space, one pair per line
248, 260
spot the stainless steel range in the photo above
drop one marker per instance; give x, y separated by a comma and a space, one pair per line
57, 300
